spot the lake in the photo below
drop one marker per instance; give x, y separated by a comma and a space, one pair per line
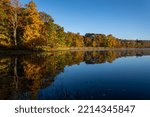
73, 75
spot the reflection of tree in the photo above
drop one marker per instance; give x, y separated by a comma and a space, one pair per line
4, 70
111, 56
100, 57
15, 73
34, 74
22, 77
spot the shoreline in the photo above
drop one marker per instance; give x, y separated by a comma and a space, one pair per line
19, 51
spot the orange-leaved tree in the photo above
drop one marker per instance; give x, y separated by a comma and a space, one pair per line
33, 26
4, 25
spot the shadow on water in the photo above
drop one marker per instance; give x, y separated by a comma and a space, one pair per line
41, 76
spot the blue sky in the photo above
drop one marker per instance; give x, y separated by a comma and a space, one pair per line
126, 19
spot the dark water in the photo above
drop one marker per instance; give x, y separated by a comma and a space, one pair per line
76, 75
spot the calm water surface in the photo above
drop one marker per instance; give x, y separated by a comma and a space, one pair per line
76, 75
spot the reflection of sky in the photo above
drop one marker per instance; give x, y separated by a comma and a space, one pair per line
122, 18
127, 77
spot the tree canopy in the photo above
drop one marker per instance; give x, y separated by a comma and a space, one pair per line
25, 27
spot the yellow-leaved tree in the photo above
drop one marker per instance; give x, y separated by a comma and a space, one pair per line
33, 26
4, 30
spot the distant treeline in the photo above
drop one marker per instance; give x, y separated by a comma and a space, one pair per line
26, 28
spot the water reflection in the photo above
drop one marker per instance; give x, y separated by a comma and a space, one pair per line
74, 75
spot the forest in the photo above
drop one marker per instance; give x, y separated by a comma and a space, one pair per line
24, 27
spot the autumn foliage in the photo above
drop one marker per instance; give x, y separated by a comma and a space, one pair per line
24, 27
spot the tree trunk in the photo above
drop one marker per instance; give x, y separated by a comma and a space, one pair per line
16, 5
15, 36
15, 27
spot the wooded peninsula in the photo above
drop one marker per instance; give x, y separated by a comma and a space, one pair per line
25, 28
